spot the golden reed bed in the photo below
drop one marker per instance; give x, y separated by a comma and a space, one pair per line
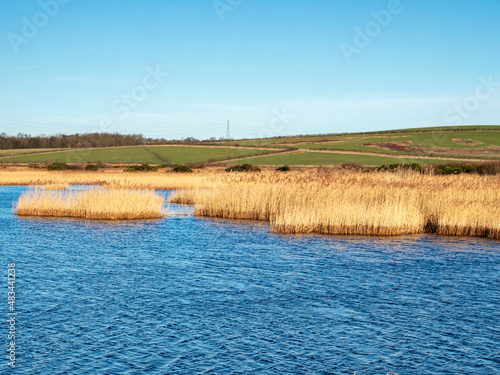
112, 179
351, 203
94, 203
326, 202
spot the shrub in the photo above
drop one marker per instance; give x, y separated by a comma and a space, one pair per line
61, 167
469, 168
141, 168
416, 167
284, 168
490, 169
355, 166
384, 167
181, 169
242, 168
200, 165
92, 167
452, 169
395, 167
166, 165
34, 166
456, 168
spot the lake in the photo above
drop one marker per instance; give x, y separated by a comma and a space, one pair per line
187, 295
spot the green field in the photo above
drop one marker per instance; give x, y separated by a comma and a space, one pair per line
5, 153
278, 142
447, 128
425, 133
464, 144
467, 143
428, 144
323, 158
140, 154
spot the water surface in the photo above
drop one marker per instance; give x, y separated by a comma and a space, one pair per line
185, 295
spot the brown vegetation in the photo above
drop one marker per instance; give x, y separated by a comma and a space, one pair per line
342, 202
95, 203
112, 179
25, 141
466, 142
327, 201
56, 187
402, 146
409, 148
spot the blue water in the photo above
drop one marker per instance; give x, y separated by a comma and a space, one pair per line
185, 295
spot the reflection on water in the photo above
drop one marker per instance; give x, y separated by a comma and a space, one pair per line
185, 295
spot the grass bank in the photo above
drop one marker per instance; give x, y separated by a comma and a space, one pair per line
95, 203
350, 203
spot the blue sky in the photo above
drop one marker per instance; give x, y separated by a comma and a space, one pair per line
175, 69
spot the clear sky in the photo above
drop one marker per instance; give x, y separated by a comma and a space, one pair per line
179, 68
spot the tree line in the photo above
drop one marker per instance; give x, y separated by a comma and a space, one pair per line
23, 141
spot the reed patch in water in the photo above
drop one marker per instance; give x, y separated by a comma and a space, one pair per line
351, 203
325, 201
94, 203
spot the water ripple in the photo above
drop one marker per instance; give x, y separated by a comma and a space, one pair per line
185, 295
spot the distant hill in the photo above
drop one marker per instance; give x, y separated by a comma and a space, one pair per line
419, 145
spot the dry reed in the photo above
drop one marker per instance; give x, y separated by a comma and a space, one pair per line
94, 203
56, 187
327, 202
113, 179
351, 203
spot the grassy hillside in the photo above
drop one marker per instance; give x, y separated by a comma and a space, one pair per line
424, 146
421, 145
141, 154
446, 144
322, 158
6, 153
426, 132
